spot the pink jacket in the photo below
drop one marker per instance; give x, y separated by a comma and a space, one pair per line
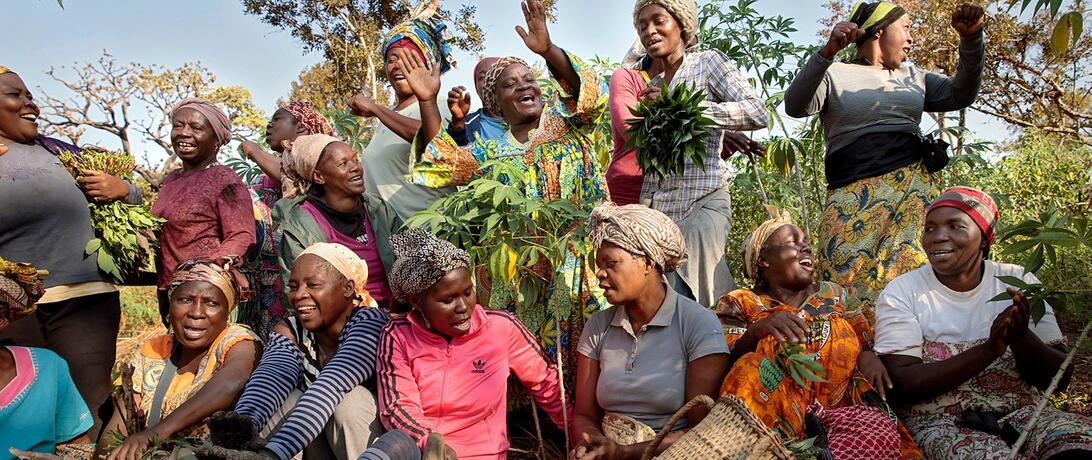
460, 388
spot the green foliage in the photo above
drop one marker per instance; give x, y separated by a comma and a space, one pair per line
668, 131
125, 242
802, 367
1066, 31
517, 239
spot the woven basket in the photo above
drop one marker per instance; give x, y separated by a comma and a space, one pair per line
729, 432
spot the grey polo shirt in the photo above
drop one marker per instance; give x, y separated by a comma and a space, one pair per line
642, 374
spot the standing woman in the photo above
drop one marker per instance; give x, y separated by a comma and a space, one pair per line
207, 208
877, 172
45, 221
698, 200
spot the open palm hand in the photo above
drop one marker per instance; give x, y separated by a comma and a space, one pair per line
424, 82
536, 36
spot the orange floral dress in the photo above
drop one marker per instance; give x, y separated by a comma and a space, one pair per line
835, 336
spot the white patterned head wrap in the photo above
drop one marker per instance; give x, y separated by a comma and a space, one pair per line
640, 230
753, 246
420, 260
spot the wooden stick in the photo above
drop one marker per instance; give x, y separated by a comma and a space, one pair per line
1015, 453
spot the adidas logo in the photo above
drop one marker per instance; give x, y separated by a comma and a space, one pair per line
479, 367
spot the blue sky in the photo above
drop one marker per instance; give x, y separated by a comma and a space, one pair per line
241, 50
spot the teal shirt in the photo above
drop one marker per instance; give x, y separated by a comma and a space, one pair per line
40, 407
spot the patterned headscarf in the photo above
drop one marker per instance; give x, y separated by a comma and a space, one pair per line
874, 17
20, 288
299, 161
420, 261
753, 246
350, 265
305, 114
430, 35
232, 283
978, 205
684, 11
640, 230
221, 125
489, 86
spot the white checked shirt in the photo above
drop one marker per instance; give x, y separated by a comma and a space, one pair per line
733, 105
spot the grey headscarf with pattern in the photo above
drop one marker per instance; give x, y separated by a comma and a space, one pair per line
640, 230
420, 260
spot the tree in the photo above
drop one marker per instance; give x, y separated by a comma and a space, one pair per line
134, 101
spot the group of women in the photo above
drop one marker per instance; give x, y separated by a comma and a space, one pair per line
304, 320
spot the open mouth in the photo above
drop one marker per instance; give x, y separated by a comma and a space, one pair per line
653, 42
193, 332
462, 324
807, 263
941, 253
356, 179
306, 311
185, 147
527, 99
31, 117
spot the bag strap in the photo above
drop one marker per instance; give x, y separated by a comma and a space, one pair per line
169, 371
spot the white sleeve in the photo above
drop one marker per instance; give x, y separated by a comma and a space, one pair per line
897, 328
1047, 329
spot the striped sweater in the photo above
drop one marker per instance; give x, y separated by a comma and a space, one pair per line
459, 388
282, 368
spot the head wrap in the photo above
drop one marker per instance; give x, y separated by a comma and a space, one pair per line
874, 17
227, 279
20, 288
684, 11
221, 125
753, 245
640, 230
305, 114
977, 204
299, 161
489, 86
431, 37
420, 261
4, 70
350, 265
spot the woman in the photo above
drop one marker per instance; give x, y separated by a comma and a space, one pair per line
444, 367
785, 308
314, 389
556, 158
45, 221
652, 350
298, 118
207, 208
199, 368
387, 158
324, 202
40, 409
969, 370
698, 199
871, 110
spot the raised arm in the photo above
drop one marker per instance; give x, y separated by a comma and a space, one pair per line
405, 127
807, 93
735, 104
537, 39
943, 94
269, 164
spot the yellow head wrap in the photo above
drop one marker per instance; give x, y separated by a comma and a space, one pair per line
346, 262
874, 17
753, 245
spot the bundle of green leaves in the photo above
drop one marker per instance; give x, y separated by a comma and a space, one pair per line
802, 367
669, 130
125, 241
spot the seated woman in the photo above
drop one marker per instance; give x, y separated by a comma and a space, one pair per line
314, 389
40, 409
787, 307
197, 369
957, 357
444, 367
653, 349
324, 202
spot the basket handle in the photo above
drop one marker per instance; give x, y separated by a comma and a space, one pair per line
679, 414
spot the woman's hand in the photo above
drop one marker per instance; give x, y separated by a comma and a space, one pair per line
841, 36
458, 103
103, 187
537, 36
134, 446
595, 447
251, 149
785, 327
873, 369
362, 106
232, 430
424, 82
733, 142
968, 19
999, 331
1021, 316
649, 94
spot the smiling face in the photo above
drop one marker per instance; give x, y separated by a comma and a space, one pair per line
282, 127
952, 242
198, 313
659, 32
785, 260
448, 304
518, 95
321, 296
895, 42
339, 171
192, 137
622, 275
18, 112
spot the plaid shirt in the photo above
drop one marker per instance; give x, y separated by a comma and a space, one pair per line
733, 105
